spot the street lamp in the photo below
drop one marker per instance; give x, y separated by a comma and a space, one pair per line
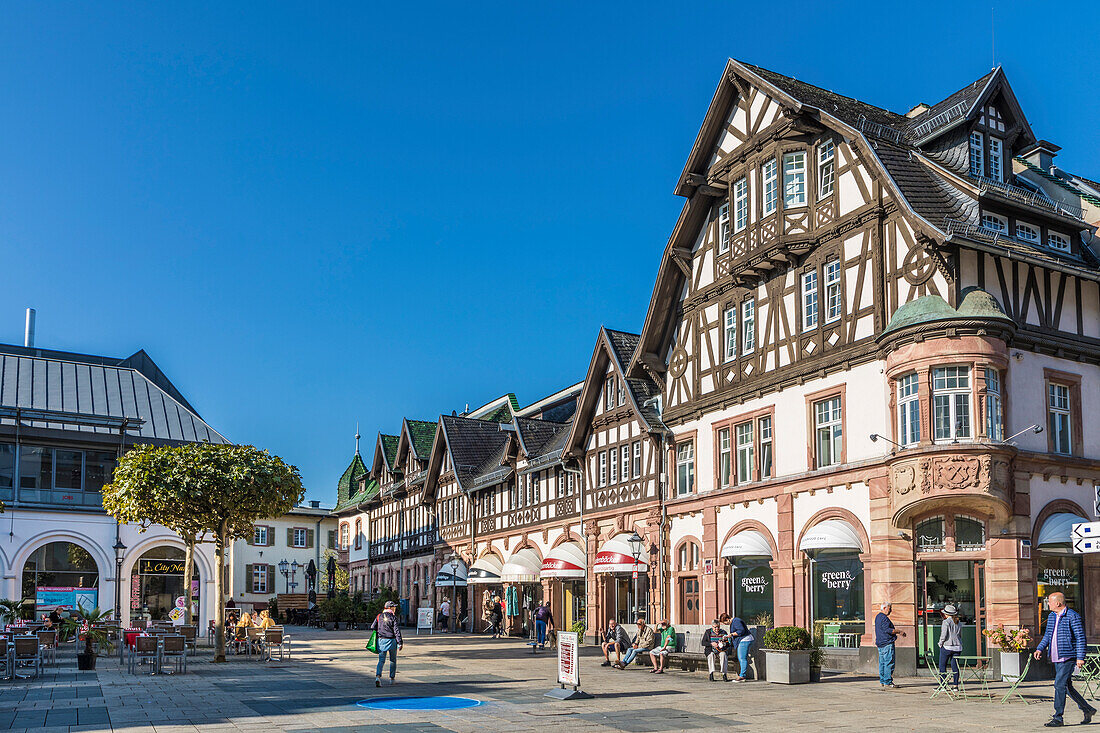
636, 549
293, 571
119, 549
286, 575
454, 575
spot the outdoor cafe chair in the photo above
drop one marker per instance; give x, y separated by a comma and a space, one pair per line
944, 681
146, 649
140, 623
253, 639
191, 635
27, 652
275, 639
174, 646
47, 641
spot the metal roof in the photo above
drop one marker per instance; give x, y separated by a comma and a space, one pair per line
69, 383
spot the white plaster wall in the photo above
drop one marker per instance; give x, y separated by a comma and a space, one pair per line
1043, 492
1027, 399
766, 513
361, 554
685, 525
856, 500
241, 554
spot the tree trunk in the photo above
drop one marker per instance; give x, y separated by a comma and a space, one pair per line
188, 571
219, 593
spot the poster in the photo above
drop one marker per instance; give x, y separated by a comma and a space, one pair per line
47, 598
568, 670
425, 619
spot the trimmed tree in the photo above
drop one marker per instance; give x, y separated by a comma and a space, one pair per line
220, 489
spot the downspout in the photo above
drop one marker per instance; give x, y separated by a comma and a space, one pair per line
662, 440
584, 538
15, 483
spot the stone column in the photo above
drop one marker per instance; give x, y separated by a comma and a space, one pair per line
785, 595
710, 552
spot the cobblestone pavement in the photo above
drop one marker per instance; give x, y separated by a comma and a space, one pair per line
330, 671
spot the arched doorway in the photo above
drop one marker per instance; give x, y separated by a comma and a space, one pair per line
61, 575
156, 584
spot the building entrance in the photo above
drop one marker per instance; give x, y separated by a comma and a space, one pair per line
156, 585
960, 582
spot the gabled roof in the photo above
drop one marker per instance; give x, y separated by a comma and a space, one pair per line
134, 388
349, 481
385, 454
416, 435
966, 104
476, 447
535, 435
499, 410
617, 349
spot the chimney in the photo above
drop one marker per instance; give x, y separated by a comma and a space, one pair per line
918, 110
314, 504
1041, 154
28, 334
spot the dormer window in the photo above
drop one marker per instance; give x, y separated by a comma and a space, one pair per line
996, 157
1057, 241
977, 154
995, 222
1027, 233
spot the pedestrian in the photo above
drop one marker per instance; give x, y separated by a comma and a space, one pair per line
496, 617
665, 646
544, 619
716, 644
643, 642
616, 640
389, 641
741, 640
950, 643
1065, 638
445, 615
885, 636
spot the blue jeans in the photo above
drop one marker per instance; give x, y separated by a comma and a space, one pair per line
540, 632
743, 648
630, 654
886, 664
1063, 685
948, 656
387, 646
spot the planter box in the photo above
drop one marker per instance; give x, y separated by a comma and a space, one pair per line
1012, 664
330, 626
787, 667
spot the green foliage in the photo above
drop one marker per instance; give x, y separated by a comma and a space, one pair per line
94, 635
374, 607
579, 627
10, 610
273, 607
342, 579
788, 638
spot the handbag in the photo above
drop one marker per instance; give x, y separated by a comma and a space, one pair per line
372, 642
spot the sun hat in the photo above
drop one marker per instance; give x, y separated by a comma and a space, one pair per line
950, 609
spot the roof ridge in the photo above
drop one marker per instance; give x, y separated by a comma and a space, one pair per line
755, 68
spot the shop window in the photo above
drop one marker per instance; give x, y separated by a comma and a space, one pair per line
930, 535
838, 602
1058, 572
688, 558
969, 533
753, 598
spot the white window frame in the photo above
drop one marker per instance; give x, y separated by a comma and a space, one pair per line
305, 538
729, 333
1060, 418
1033, 238
977, 154
746, 451
828, 432
614, 469
834, 301
259, 572
1053, 237
725, 458
951, 397
994, 407
748, 326
724, 228
740, 204
794, 179
345, 535
685, 468
609, 393
996, 222
809, 300
620, 387
996, 158
764, 435
259, 535
826, 169
624, 462
603, 468
636, 459
909, 409
769, 173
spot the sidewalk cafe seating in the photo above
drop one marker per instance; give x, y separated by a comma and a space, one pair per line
146, 649
190, 634
47, 642
1012, 691
174, 646
27, 652
943, 681
254, 638
274, 638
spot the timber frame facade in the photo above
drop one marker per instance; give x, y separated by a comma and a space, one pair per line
859, 321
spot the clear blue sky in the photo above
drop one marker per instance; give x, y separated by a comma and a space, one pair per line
314, 215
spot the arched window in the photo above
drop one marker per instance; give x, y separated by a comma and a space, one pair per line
930, 535
61, 565
969, 533
688, 558
358, 533
345, 532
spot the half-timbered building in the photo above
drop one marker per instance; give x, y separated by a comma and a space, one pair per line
857, 319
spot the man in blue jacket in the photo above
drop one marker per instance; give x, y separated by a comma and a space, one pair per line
1065, 637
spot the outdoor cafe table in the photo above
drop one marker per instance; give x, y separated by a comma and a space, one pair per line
974, 674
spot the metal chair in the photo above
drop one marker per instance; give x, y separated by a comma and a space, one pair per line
146, 649
175, 647
945, 680
27, 652
47, 642
274, 638
140, 623
1012, 690
191, 635
253, 639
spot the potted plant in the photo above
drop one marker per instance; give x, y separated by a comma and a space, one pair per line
579, 628
1013, 644
787, 652
327, 609
83, 624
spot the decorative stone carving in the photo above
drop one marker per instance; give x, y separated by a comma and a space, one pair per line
977, 472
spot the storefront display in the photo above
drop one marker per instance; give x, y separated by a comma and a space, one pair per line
157, 583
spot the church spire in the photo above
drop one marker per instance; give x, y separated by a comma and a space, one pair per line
356, 437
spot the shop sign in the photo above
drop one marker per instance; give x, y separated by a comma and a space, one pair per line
708, 567
135, 592
160, 567
1057, 576
425, 619
755, 584
568, 670
838, 579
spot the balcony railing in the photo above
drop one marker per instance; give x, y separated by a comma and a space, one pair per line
946, 117
874, 129
974, 231
1032, 198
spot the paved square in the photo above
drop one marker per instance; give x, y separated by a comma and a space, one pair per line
330, 671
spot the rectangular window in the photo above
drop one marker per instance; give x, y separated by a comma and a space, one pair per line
300, 537
259, 536
1058, 241
909, 410
994, 412
977, 154
833, 297
771, 187
603, 468
809, 300
828, 432
622, 392
748, 326
1027, 233
725, 458
744, 453
637, 458
826, 175
609, 393
569, 485
730, 333
995, 222
1059, 418
996, 153
951, 402
259, 579
724, 227
614, 465
624, 452
536, 493
764, 429
794, 179
740, 204
685, 468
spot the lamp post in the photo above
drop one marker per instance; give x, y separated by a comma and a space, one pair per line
636, 549
454, 575
286, 574
119, 549
293, 571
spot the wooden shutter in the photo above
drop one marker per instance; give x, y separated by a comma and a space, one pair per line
270, 536
332, 538
309, 539
248, 578
290, 537
271, 579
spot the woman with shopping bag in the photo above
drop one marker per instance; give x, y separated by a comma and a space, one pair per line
385, 639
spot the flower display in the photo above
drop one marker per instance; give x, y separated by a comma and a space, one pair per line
1009, 640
